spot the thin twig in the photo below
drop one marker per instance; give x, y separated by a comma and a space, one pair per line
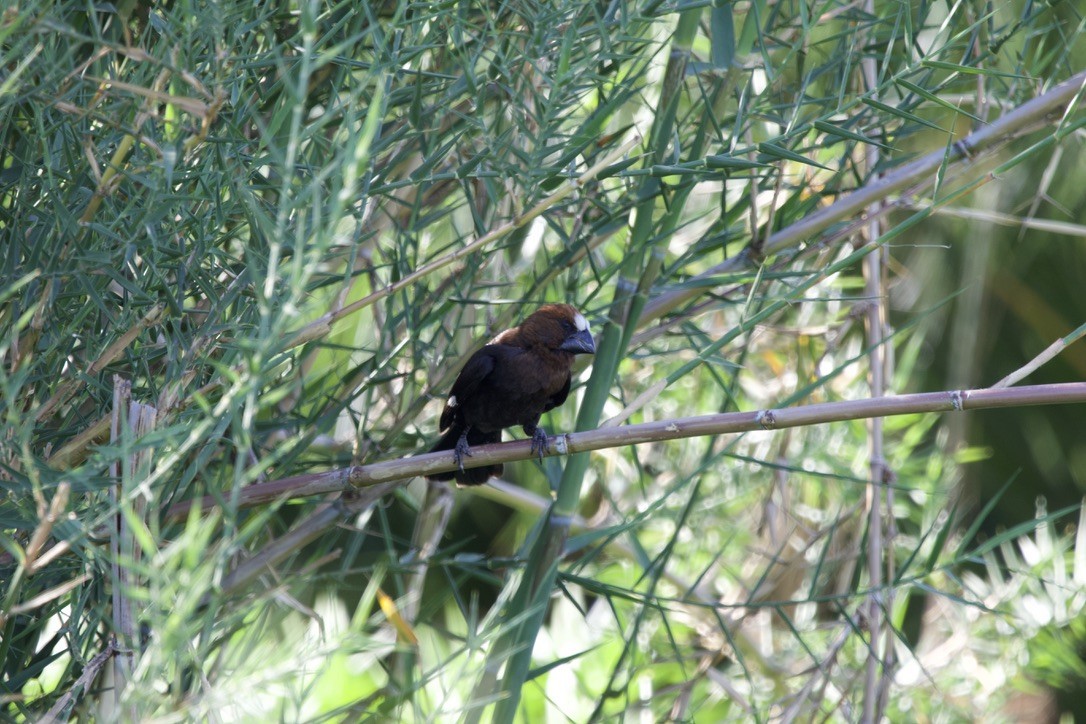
122, 665
45, 527
82, 684
1040, 360
874, 266
1051, 226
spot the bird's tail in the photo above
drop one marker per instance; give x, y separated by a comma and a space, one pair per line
471, 476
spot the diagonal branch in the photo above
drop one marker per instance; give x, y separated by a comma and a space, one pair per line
362, 476
860, 201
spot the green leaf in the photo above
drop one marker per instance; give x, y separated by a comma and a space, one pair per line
972, 70
935, 99
722, 34
902, 114
772, 150
844, 133
723, 160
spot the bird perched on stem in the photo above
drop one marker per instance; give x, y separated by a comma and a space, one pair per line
513, 380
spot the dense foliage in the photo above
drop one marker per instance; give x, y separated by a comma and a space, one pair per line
246, 242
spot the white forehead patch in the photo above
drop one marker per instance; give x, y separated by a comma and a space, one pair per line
580, 321
452, 401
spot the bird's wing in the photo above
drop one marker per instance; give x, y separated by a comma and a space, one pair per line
478, 366
559, 397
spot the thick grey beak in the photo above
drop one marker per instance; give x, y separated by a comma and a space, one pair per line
579, 343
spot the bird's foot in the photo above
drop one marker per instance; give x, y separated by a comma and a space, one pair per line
461, 451
541, 445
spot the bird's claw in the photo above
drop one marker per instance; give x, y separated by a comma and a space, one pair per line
461, 451
541, 444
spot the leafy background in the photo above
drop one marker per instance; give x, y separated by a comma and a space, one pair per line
283, 224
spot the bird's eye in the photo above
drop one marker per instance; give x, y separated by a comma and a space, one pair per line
568, 326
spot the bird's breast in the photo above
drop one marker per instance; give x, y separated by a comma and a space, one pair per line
517, 391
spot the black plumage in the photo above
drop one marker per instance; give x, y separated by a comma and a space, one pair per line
520, 374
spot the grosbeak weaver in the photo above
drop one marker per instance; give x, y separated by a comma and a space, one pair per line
513, 380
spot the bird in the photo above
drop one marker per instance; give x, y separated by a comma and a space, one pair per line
512, 380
